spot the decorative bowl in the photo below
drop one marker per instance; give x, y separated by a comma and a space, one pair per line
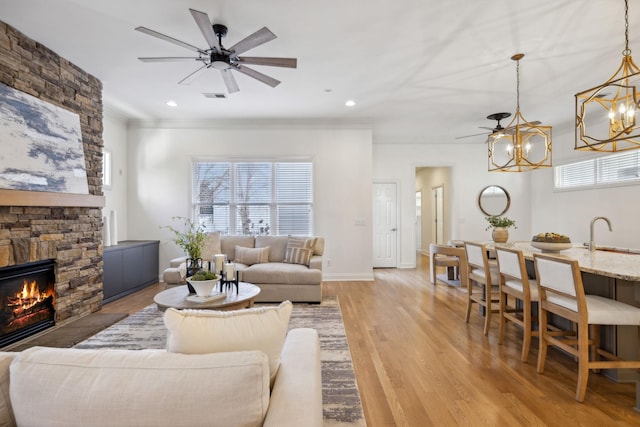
551, 247
203, 288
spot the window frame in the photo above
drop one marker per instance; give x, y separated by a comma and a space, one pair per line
596, 171
233, 205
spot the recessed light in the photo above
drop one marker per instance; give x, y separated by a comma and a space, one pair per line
172, 103
350, 103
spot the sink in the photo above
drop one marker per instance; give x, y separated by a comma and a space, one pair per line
613, 249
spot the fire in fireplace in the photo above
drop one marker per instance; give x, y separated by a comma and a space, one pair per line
26, 300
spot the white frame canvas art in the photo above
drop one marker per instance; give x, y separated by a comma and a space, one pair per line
41, 145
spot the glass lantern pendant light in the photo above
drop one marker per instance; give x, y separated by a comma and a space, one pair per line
606, 114
521, 145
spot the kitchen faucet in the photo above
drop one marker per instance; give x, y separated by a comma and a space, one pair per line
592, 244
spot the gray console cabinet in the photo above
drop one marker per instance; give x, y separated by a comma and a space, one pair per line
128, 267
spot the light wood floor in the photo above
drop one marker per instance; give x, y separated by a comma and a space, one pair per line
419, 364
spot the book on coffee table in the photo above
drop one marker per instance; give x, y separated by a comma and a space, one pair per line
213, 297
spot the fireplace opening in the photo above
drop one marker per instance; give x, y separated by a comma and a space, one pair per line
26, 300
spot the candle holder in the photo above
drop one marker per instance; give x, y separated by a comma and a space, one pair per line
226, 283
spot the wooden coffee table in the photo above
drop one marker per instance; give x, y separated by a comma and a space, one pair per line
176, 297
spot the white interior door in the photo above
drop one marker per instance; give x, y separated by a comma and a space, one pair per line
385, 228
438, 215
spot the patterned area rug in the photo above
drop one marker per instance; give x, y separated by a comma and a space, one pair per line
341, 399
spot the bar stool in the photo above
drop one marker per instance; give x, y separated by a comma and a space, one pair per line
453, 259
516, 283
481, 272
562, 293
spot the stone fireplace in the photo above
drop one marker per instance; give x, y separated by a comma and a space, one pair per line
65, 229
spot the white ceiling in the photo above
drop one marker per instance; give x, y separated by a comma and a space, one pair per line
420, 71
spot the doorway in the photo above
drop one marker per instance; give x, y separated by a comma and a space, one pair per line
438, 215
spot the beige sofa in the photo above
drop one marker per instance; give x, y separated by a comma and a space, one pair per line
278, 280
73, 387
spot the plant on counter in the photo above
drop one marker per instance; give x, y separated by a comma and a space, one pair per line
500, 222
191, 240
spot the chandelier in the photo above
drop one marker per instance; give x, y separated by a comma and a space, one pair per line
521, 145
606, 114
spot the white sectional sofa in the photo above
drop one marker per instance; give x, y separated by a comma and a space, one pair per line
52, 387
278, 278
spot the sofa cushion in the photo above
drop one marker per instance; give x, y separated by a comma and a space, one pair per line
228, 245
80, 387
209, 331
281, 273
299, 250
250, 256
277, 246
6, 412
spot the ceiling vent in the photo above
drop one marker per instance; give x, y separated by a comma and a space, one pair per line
214, 95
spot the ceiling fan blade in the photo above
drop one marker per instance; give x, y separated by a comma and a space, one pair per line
204, 23
261, 36
169, 39
469, 136
229, 80
191, 77
258, 75
273, 62
168, 59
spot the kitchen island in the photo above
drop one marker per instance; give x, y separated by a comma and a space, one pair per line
612, 274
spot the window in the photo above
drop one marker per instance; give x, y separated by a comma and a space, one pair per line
106, 169
253, 198
616, 169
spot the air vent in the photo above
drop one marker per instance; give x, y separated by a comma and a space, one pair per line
215, 95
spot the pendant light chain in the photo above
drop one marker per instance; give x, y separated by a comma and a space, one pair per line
626, 51
517, 85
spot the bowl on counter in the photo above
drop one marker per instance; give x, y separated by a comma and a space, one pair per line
551, 247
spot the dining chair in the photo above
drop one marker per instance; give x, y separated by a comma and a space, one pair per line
487, 278
452, 258
516, 284
562, 293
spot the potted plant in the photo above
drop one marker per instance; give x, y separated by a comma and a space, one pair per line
500, 226
191, 240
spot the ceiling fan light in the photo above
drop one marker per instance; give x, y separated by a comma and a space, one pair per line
220, 65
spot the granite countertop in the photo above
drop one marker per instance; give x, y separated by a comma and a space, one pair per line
618, 263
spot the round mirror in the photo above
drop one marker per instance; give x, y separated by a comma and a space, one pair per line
494, 200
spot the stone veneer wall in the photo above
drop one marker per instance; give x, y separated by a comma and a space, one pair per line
70, 235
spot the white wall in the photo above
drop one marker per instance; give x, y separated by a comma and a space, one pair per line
469, 175
570, 213
159, 182
115, 140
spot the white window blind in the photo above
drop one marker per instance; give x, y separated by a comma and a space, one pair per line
245, 197
619, 168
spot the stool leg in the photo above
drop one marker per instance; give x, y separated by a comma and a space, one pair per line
526, 323
542, 338
583, 363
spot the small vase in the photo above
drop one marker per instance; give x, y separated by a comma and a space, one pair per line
500, 235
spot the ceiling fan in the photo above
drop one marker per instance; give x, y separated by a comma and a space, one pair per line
221, 58
499, 130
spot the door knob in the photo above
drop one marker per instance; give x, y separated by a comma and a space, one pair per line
394, 229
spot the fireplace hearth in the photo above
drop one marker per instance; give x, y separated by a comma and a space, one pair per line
26, 300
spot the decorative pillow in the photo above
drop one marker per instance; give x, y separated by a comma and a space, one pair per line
299, 251
209, 331
250, 256
211, 246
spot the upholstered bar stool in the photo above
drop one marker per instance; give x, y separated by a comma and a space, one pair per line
562, 293
516, 284
480, 272
453, 259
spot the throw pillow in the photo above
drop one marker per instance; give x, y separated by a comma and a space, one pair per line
299, 250
250, 256
209, 331
211, 246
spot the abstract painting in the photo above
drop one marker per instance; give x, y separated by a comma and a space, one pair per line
41, 145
